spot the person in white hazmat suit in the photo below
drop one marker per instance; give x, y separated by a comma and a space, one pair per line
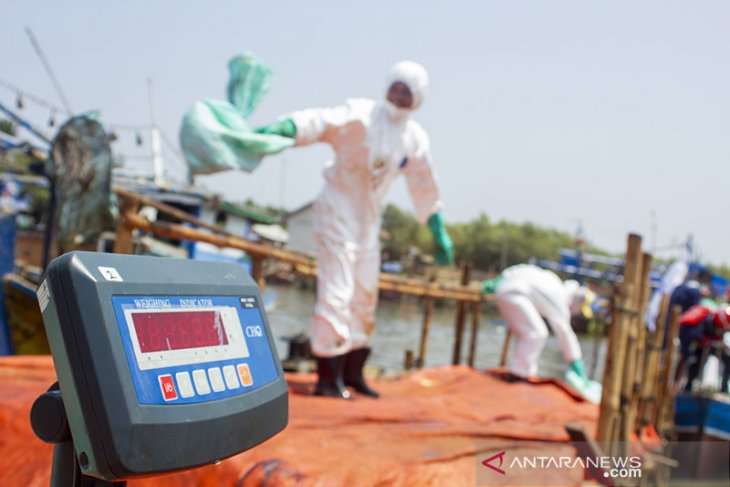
525, 294
374, 142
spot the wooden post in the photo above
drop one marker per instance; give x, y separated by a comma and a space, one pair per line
644, 301
635, 353
665, 397
123, 244
408, 360
460, 316
505, 346
598, 332
649, 384
427, 313
476, 308
257, 272
626, 304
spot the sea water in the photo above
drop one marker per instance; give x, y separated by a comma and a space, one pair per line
398, 328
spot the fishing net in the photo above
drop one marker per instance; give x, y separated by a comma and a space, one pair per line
81, 169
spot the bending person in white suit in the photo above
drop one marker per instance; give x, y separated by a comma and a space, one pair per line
525, 294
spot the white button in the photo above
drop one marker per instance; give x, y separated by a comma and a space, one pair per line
184, 384
201, 382
216, 379
229, 372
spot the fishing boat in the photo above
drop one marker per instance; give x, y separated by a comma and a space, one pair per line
703, 416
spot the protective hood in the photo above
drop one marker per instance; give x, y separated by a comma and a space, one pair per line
414, 76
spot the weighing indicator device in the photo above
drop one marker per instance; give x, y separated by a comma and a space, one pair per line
163, 364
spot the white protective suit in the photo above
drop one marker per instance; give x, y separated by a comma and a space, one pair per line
374, 142
525, 295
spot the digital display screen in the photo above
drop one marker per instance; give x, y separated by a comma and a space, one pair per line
178, 330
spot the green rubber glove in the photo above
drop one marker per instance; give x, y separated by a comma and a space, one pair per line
490, 285
444, 246
285, 128
579, 368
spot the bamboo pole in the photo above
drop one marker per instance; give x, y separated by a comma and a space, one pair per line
505, 346
167, 209
644, 301
598, 331
303, 265
459, 292
425, 327
460, 316
219, 239
625, 306
475, 313
175, 231
123, 244
635, 351
666, 397
649, 384
408, 360
627, 345
257, 272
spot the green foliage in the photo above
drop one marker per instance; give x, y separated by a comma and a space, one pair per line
39, 200
18, 160
8, 127
489, 246
405, 231
274, 211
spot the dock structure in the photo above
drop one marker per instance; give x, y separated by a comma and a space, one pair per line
636, 383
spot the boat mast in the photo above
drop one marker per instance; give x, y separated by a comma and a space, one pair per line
157, 166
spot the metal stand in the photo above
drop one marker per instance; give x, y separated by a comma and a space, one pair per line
50, 423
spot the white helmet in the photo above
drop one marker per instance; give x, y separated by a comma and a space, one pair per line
414, 76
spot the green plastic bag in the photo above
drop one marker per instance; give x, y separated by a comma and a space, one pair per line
215, 135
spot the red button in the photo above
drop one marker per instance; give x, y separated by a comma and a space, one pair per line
168, 387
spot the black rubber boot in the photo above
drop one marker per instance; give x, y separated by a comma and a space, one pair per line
354, 363
329, 382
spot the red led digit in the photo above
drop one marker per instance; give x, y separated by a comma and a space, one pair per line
197, 327
170, 333
219, 330
153, 332
185, 337
177, 330
211, 334
142, 335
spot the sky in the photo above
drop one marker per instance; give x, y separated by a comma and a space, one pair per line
613, 116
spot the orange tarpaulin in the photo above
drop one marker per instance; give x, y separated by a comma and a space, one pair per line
426, 429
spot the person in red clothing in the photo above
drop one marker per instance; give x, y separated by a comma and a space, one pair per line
701, 326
